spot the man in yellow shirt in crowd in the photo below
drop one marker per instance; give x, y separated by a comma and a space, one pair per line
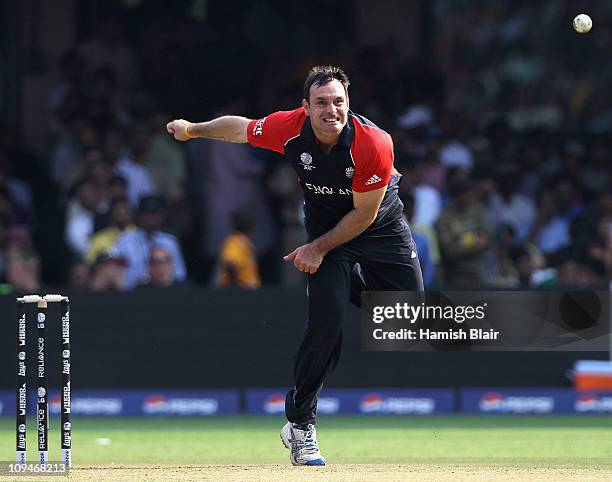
120, 221
237, 259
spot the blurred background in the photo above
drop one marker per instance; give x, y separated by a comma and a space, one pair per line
501, 117
500, 113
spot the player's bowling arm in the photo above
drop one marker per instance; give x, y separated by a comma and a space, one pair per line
229, 128
356, 221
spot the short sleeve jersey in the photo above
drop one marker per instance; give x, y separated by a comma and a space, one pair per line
361, 161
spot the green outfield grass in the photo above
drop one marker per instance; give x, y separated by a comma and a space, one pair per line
569, 441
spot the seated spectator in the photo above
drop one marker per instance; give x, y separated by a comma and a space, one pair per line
463, 235
23, 271
507, 206
116, 187
558, 208
425, 240
570, 273
427, 200
138, 178
107, 273
428, 205
500, 269
18, 193
456, 153
161, 268
80, 216
78, 278
98, 169
134, 246
528, 260
593, 273
237, 261
70, 155
165, 160
119, 222
600, 245
107, 48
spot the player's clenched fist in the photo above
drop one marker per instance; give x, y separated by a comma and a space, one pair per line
179, 128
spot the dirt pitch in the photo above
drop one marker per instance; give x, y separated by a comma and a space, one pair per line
336, 472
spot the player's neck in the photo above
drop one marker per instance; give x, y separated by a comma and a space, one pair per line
326, 143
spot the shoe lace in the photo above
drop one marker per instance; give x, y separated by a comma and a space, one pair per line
310, 442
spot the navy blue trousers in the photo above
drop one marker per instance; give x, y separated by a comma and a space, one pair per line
386, 261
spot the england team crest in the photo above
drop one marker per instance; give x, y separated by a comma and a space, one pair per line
306, 161
349, 172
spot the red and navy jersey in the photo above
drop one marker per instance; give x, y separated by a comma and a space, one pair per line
361, 161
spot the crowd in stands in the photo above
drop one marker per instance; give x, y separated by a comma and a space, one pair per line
503, 136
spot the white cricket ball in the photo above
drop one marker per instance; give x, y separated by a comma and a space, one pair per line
582, 23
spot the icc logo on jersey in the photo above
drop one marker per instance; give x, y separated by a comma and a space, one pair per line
306, 161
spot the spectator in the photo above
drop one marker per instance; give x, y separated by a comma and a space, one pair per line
569, 273
103, 107
166, 162
138, 178
232, 176
23, 271
134, 246
524, 267
107, 273
433, 171
600, 247
237, 261
426, 242
507, 206
463, 235
527, 117
500, 269
531, 266
66, 97
69, 155
78, 278
117, 188
287, 204
596, 176
558, 208
18, 194
119, 222
161, 268
80, 215
427, 200
107, 48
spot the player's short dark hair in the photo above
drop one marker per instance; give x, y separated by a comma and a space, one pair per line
323, 74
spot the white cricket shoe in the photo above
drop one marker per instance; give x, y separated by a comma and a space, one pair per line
303, 445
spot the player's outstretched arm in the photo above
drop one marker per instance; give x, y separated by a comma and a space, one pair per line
229, 128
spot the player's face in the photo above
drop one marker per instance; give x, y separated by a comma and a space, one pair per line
327, 108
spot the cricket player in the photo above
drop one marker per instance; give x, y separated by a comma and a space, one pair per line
357, 237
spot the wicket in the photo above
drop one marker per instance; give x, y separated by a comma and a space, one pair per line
42, 412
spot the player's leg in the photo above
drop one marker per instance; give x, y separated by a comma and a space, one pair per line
328, 295
358, 285
388, 262
392, 276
